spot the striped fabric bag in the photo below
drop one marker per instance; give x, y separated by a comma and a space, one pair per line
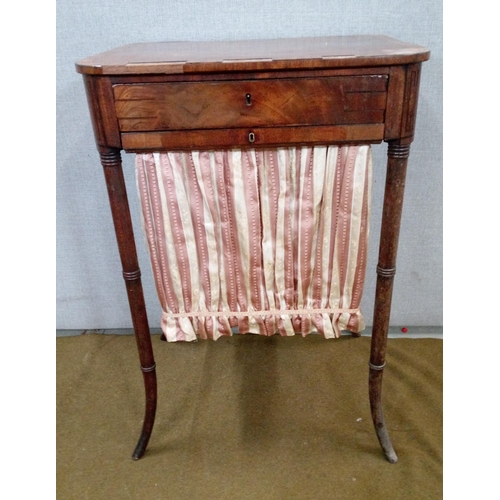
263, 241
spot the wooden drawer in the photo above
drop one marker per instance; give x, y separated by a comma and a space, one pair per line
339, 100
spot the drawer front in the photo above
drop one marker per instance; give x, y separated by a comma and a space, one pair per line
340, 100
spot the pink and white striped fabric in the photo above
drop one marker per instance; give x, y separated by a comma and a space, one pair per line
264, 241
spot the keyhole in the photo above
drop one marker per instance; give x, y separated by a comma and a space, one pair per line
251, 137
248, 98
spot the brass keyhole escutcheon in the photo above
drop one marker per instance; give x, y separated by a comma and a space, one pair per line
251, 137
248, 99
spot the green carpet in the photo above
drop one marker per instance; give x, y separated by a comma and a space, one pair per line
248, 417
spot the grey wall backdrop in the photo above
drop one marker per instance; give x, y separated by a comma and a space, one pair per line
90, 289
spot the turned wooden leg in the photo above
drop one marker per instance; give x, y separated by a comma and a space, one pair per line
386, 269
111, 162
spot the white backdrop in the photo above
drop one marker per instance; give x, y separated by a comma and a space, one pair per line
90, 289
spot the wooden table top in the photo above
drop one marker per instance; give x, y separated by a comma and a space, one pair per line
253, 55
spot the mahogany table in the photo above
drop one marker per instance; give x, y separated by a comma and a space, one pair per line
217, 95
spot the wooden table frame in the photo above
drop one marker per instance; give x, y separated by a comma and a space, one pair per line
364, 90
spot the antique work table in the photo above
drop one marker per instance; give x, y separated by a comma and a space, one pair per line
218, 95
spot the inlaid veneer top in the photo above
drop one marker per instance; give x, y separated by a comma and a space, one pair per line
253, 55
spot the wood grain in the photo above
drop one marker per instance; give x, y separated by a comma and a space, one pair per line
231, 138
253, 55
102, 111
174, 106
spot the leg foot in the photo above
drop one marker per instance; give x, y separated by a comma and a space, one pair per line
375, 389
149, 417
141, 447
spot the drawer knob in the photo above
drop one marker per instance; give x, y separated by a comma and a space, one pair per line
251, 137
248, 99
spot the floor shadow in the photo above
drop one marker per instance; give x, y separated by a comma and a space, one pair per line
256, 368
